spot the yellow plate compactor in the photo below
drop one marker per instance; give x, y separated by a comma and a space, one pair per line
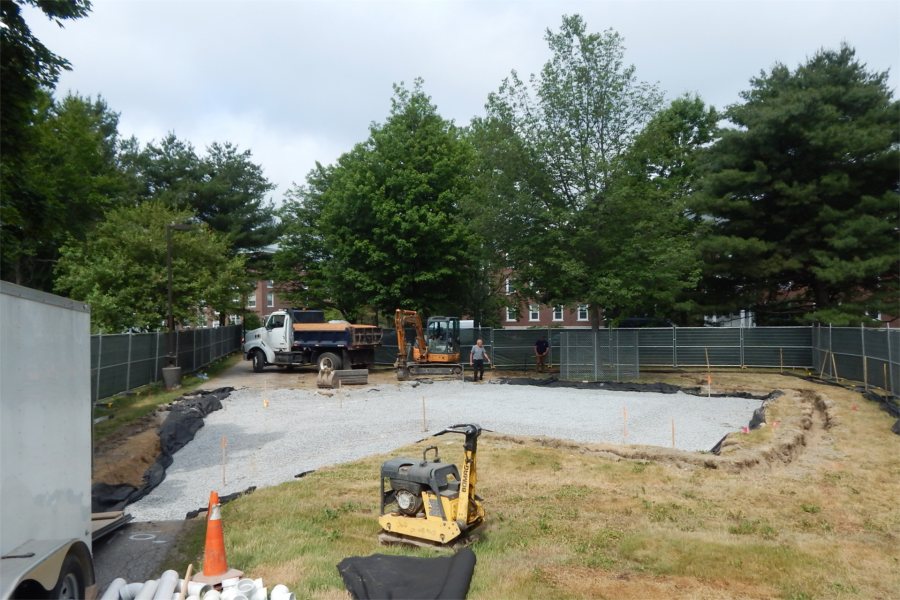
429, 502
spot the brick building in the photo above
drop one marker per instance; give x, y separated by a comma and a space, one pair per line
264, 299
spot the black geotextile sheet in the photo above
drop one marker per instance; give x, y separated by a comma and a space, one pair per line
184, 419
380, 576
618, 386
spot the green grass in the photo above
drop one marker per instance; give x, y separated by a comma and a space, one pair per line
129, 408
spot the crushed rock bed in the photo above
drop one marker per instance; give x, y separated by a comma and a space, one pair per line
272, 436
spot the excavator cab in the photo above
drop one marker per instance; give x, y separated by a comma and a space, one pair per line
442, 334
436, 347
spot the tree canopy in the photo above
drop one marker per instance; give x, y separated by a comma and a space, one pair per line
588, 220
66, 179
802, 195
121, 269
389, 215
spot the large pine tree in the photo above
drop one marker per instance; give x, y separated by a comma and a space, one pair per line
802, 195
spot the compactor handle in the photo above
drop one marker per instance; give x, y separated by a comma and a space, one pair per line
470, 430
437, 456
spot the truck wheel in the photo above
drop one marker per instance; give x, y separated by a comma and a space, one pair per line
71, 581
259, 361
330, 361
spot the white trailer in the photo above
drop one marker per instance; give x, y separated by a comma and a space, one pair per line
45, 446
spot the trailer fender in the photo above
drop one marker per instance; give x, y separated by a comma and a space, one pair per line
47, 570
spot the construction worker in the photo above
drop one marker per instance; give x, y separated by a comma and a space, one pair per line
476, 359
541, 350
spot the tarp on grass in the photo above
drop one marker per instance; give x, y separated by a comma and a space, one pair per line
401, 577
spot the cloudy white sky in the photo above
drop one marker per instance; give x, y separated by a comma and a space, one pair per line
299, 81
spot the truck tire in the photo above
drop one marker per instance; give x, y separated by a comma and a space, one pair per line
259, 361
71, 581
329, 360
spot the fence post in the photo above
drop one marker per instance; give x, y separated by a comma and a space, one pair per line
741, 342
128, 364
831, 352
99, 363
156, 358
862, 339
596, 351
674, 347
890, 359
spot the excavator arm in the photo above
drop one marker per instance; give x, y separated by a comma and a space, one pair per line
402, 318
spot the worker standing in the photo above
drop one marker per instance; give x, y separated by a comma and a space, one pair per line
541, 350
476, 359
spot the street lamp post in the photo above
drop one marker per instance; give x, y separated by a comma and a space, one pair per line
172, 372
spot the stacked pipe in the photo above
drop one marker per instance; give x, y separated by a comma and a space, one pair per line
169, 587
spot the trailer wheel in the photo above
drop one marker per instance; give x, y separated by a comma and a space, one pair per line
71, 581
329, 361
259, 361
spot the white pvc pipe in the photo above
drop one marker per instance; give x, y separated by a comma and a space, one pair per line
195, 588
212, 595
148, 590
246, 587
112, 592
166, 587
259, 594
130, 591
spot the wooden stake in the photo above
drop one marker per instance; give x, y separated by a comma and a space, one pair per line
224, 443
834, 365
424, 422
781, 359
624, 424
673, 433
184, 584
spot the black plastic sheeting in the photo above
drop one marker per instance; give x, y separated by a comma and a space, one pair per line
181, 425
387, 577
617, 386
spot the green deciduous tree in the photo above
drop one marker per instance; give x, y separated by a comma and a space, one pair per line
649, 261
224, 188
121, 269
566, 135
67, 178
27, 70
802, 195
389, 214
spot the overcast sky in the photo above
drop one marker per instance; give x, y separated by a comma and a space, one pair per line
298, 81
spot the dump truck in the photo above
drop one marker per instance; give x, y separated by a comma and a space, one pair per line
45, 446
293, 338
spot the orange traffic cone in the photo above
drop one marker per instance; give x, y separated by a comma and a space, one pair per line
215, 567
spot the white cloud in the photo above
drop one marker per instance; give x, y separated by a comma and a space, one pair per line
299, 81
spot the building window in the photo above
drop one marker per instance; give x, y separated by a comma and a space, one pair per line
511, 314
558, 312
534, 312
270, 299
270, 283
508, 286
583, 312
251, 301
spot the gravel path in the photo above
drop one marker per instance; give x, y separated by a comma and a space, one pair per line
301, 430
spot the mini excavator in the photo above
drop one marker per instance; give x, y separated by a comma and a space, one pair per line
427, 502
436, 350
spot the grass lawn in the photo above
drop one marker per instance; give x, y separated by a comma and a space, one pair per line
807, 509
126, 409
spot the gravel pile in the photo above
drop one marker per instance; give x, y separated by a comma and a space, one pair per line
271, 436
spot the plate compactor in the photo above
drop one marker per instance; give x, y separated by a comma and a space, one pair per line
428, 502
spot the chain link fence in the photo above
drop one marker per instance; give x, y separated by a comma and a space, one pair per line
869, 356
126, 361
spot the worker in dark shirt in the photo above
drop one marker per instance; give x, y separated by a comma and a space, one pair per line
541, 351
